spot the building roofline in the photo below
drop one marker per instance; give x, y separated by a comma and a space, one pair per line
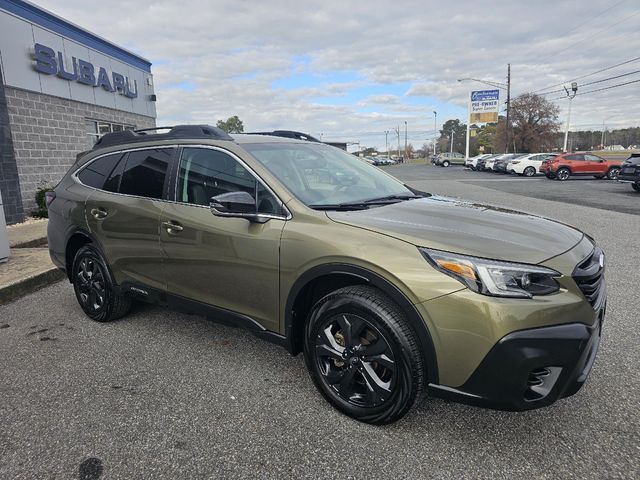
51, 21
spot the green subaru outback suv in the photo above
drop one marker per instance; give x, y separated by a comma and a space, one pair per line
389, 292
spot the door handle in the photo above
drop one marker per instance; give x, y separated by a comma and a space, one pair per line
172, 227
99, 213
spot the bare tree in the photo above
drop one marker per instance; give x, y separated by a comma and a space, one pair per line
534, 123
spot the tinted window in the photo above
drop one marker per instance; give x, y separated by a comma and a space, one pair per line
145, 171
592, 158
96, 173
574, 157
206, 173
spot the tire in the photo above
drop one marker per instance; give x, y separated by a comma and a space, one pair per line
550, 176
563, 174
529, 172
446, 163
94, 287
636, 186
612, 174
599, 177
370, 391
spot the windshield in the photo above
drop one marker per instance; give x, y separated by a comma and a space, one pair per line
323, 175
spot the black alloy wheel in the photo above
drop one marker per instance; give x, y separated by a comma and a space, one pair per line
529, 172
94, 287
563, 174
613, 173
636, 186
362, 355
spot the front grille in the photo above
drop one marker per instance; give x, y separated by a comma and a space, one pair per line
589, 276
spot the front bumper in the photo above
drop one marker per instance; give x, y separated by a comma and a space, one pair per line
531, 368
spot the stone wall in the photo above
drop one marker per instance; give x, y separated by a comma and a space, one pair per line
48, 132
9, 183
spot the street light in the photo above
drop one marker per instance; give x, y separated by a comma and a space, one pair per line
502, 86
435, 129
603, 127
570, 95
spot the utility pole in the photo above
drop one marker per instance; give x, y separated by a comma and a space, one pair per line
405, 139
386, 142
398, 134
570, 96
435, 130
451, 141
508, 126
602, 140
466, 148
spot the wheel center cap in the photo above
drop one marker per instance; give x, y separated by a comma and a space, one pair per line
353, 360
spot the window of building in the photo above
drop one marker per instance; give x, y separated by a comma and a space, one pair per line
96, 128
145, 171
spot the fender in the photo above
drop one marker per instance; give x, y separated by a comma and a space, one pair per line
373, 279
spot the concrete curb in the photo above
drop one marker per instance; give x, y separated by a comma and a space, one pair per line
30, 284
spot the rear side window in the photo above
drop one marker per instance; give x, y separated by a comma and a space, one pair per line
145, 172
574, 157
97, 172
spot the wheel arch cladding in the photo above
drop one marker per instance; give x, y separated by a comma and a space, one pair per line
321, 280
76, 241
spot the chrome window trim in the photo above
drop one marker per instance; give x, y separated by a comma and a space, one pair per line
288, 216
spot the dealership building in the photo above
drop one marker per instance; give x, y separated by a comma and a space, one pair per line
61, 87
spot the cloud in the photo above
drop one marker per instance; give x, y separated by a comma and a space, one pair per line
279, 64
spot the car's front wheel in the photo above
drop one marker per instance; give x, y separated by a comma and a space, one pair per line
446, 163
529, 172
94, 287
362, 355
636, 186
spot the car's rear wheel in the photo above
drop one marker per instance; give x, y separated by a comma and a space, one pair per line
563, 174
445, 163
636, 186
362, 355
613, 173
94, 287
529, 172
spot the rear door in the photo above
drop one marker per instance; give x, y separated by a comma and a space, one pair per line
597, 165
230, 263
576, 163
124, 216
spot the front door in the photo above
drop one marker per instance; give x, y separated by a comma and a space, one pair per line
124, 215
230, 263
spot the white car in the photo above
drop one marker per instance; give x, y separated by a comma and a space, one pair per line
529, 165
489, 165
473, 161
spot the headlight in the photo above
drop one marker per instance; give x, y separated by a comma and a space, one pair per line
494, 277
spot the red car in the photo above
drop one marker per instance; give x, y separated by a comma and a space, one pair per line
580, 163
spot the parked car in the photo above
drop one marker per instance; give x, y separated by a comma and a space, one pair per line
630, 172
489, 165
473, 161
449, 158
291, 239
562, 167
529, 165
500, 165
481, 163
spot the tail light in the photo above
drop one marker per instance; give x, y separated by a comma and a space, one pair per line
49, 197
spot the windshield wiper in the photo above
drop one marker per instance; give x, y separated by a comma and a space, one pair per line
340, 206
390, 198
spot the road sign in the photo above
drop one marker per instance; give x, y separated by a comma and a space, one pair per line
484, 106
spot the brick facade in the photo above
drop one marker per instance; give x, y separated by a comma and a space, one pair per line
48, 132
9, 183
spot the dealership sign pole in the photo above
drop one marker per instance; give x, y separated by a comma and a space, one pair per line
483, 108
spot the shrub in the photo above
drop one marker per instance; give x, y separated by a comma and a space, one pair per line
41, 201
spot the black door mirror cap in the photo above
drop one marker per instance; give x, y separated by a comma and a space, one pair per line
238, 204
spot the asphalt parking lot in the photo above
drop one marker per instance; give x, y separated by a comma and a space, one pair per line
161, 394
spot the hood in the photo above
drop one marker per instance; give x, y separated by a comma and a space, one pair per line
467, 228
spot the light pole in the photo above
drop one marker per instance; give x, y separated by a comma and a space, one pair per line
386, 142
435, 130
570, 96
405, 139
397, 129
451, 141
603, 127
502, 86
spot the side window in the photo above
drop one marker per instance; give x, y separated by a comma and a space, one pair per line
574, 157
97, 172
593, 158
206, 173
145, 171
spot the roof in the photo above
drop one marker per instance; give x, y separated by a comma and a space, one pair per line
59, 25
241, 138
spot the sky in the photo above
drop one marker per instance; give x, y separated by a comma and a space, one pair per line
349, 71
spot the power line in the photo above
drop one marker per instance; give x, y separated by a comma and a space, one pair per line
594, 82
601, 89
589, 74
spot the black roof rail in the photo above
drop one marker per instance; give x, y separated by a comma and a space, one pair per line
175, 132
288, 134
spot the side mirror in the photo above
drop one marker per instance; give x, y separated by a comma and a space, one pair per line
233, 204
